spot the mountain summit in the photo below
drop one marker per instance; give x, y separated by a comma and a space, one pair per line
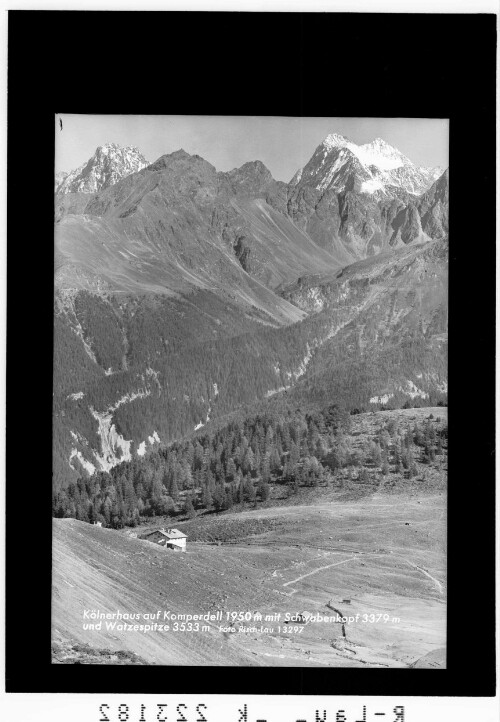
109, 164
375, 168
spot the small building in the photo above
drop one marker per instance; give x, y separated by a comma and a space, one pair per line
169, 538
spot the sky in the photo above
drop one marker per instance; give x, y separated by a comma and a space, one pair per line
283, 144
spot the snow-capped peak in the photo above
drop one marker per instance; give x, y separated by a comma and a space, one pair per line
384, 155
380, 144
381, 156
109, 164
335, 140
115, 148
378, 152
375, 167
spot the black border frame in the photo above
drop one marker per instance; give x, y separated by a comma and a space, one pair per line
251, 64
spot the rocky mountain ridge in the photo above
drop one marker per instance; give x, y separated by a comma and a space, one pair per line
375, 168
328, 201
109, 164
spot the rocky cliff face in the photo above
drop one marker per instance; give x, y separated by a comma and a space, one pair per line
357, 200
433, 208
108, 165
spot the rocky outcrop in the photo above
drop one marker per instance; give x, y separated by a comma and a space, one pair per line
433, 208
356, 201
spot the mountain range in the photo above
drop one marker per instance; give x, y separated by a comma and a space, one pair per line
184, 293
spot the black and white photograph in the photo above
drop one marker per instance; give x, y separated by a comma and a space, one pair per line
250, 336
250, 429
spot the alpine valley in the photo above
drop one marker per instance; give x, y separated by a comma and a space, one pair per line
184, 295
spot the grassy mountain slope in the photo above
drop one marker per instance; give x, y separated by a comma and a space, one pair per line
179, 224
380, 544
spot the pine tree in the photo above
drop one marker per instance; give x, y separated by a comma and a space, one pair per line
206, 498
356, 458
266, 468
385, 464
250, 490
264, 491
173, 489
231, 470
275, 461
294, 455
189, 508
249, 461
364, 476
241, 493
376, 455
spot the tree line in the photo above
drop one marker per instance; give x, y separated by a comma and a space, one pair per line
241, 463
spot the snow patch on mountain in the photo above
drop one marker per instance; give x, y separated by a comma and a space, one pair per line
332, 171
335, 140
371, 186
